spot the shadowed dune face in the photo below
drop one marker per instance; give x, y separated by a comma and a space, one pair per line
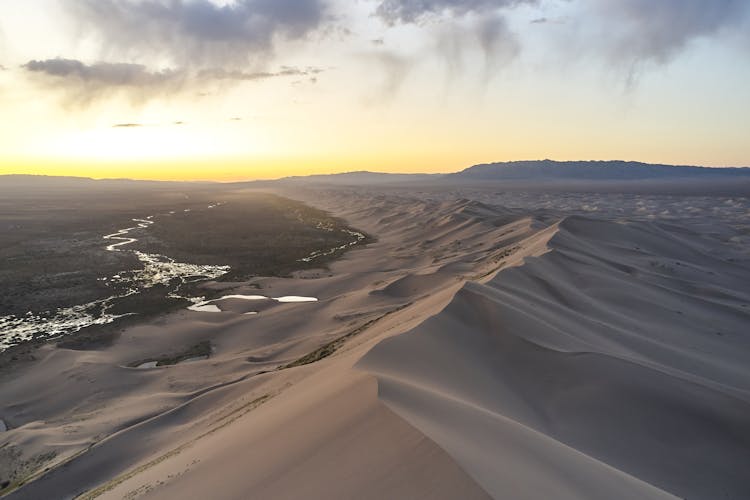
621, 352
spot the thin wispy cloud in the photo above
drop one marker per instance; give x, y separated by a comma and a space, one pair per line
103, 73
547, 20
499, 44
461, 26
393, 69
285, 71
630, 35
84, 83
133, 125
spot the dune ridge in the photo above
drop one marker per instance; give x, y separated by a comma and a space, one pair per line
614, 364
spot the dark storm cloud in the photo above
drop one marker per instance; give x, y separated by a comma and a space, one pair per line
198, 32
411, 11
645, 30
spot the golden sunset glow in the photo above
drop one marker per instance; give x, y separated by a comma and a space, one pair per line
398, 90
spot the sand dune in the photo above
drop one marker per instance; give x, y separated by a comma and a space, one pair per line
472, 351
620, 353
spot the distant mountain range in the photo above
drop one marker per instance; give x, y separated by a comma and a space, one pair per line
537, 172
589, 171
361, 178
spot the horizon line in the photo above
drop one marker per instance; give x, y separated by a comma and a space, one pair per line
350, 172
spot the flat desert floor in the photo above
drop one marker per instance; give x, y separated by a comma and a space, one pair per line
483, 345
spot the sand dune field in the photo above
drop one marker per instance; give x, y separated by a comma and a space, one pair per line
471, 350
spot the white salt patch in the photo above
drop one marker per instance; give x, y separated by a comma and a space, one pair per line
242, 297
150, 364
205, 308
251, 313
293, 299
208, 306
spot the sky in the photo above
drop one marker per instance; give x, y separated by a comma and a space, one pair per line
248, 89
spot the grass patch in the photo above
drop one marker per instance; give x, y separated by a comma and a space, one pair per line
328, 349
202, 349
19, 471
55, 256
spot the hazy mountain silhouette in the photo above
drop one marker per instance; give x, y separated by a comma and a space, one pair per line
589, 170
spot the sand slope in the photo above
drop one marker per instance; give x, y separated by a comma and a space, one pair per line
81, 420
624, 345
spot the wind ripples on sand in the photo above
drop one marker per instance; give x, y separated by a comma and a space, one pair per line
157, 270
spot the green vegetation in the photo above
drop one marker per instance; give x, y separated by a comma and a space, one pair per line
53, 254
254, 233
202, 349
19, 471
331, 347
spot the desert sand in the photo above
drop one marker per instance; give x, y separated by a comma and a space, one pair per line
472, 351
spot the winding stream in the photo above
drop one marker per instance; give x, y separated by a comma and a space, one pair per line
157, 270
324, 253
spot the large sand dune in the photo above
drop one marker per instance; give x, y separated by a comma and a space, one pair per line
473, 351
621, 353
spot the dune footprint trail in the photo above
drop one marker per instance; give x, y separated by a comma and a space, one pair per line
615, 365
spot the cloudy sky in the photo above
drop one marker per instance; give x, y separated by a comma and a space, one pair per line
241, 89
